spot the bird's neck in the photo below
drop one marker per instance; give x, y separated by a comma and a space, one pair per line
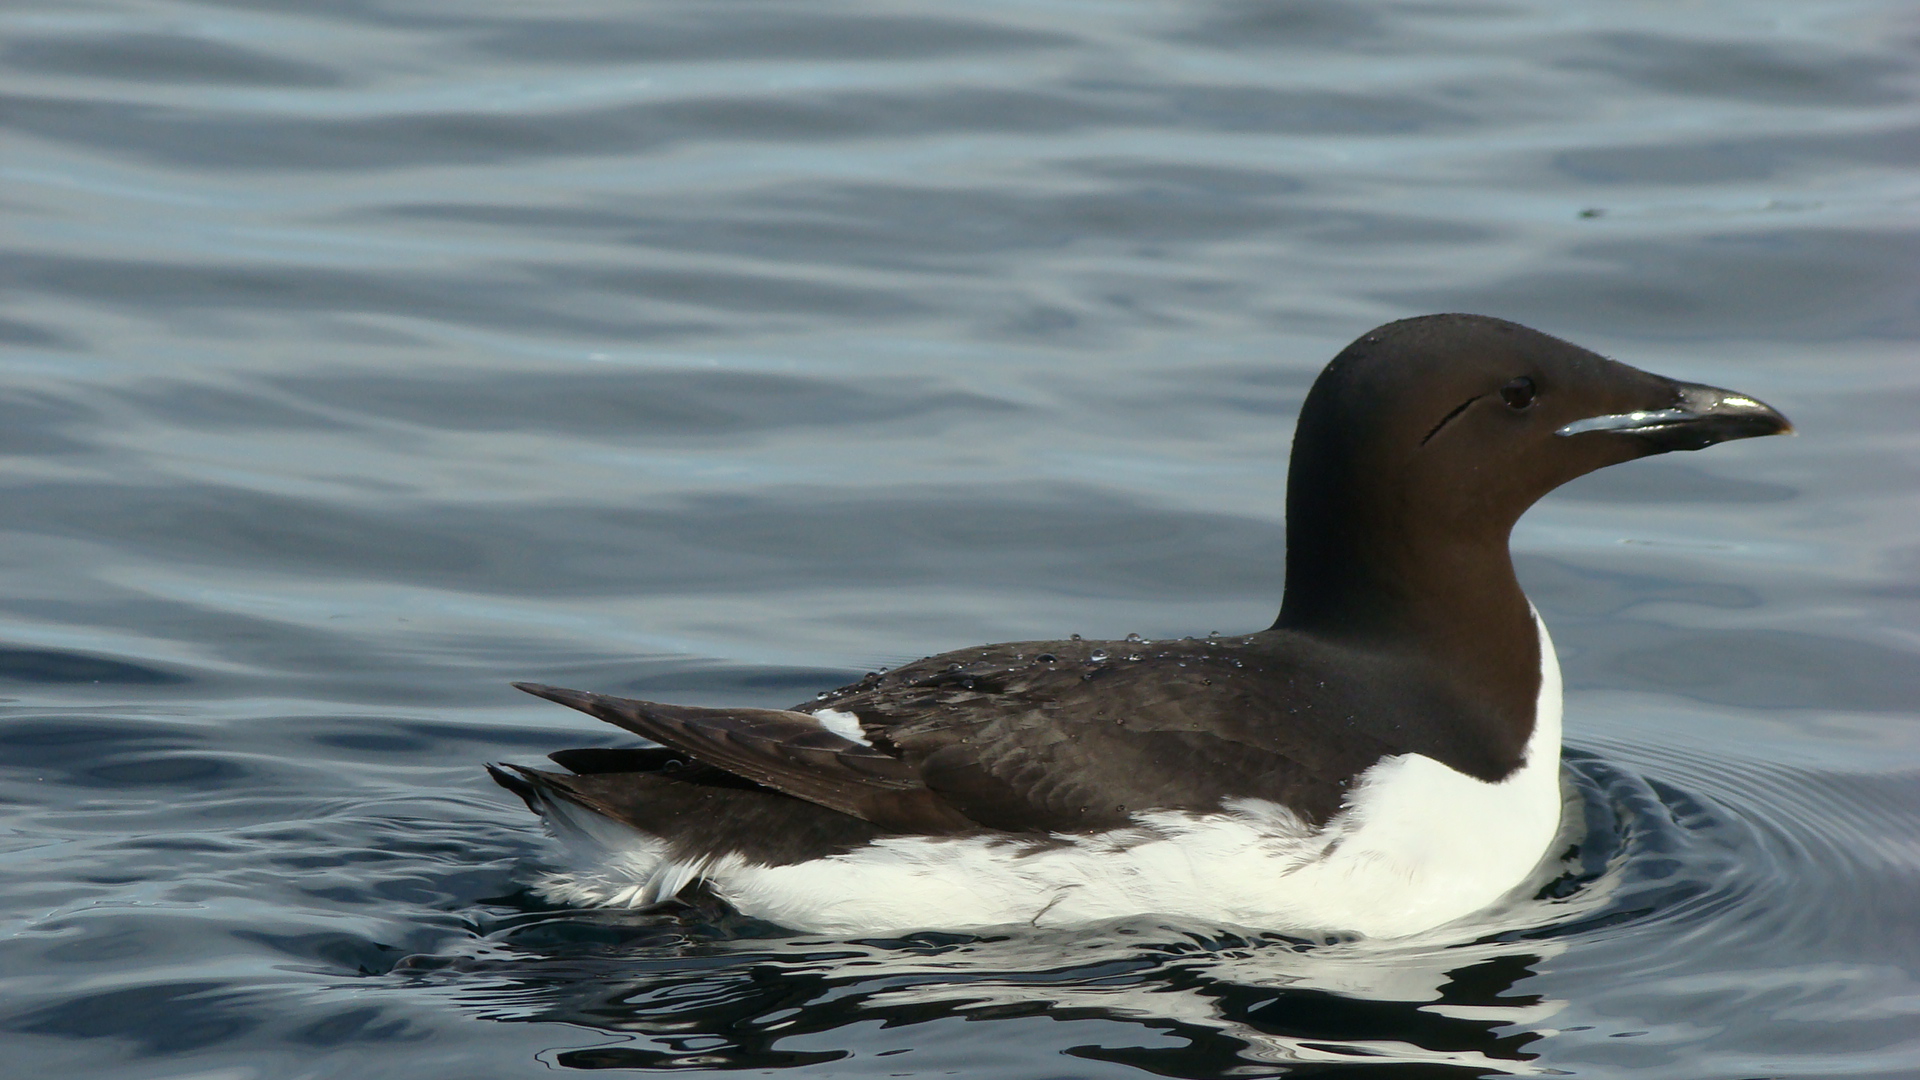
1381, 575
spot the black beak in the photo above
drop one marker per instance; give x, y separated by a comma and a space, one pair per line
1699, 417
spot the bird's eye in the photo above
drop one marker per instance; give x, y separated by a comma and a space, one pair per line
1518, 394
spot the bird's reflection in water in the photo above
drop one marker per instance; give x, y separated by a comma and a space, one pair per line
1215, 1004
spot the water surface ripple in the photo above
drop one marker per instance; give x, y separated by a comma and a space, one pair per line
358, 357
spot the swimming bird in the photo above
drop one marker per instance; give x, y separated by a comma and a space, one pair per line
1383, 759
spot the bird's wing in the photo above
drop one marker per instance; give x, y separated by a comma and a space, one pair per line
789, 752
1032, 737
1042, 736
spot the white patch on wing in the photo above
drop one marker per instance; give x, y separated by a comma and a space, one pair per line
844, 724
1416, 846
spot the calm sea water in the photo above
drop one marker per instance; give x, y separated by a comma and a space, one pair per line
363, 355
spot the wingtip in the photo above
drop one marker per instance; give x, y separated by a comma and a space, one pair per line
620, 712
560, 694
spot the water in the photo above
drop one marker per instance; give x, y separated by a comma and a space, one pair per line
363, 356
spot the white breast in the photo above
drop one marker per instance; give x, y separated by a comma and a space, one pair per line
1417, 845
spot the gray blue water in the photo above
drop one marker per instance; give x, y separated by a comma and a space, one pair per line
363, 355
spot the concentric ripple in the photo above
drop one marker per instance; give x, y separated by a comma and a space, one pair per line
1662, 876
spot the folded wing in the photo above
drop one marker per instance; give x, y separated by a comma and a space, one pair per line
997, 739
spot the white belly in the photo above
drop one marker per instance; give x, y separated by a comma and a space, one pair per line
1417, 845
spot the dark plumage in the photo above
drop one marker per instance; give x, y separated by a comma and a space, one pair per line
1403, 632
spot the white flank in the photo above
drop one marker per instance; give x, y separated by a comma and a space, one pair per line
844, 724
1417, 845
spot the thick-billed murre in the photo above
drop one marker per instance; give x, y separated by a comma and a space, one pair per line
1384, 759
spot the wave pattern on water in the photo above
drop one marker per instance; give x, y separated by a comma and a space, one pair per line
360, 356
1653, 867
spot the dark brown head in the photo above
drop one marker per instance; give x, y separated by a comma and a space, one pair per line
1424, 441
